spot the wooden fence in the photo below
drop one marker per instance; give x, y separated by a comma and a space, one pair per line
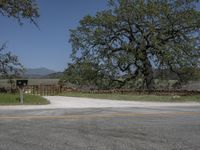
46, 90
50, 90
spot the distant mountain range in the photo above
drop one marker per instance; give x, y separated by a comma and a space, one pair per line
56, 75
41, 73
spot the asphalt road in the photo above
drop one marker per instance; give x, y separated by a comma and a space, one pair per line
155, 128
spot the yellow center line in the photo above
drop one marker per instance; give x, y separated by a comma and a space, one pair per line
93, 116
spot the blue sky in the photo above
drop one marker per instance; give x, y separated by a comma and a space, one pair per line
47, 47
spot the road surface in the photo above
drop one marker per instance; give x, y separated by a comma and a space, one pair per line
133, 126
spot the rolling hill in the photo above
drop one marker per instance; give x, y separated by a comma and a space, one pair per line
37, 72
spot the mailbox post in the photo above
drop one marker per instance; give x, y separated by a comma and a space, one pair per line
21, 84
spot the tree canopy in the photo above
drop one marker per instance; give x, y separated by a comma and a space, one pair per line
85, 74
135, 37
20, 9
9, 64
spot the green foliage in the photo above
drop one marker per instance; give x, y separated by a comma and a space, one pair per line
197, 75
83, 73
134, 37
20, 9
10, 67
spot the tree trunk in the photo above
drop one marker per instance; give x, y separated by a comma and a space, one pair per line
148, 73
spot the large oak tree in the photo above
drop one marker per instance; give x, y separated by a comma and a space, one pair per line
135, 37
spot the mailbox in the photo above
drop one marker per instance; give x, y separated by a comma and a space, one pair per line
22, 83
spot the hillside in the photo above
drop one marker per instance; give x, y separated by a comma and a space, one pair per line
56, 75
37, 72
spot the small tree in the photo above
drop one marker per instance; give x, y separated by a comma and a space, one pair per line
9, 64
82, 73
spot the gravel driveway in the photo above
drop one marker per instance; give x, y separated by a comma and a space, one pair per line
72, 102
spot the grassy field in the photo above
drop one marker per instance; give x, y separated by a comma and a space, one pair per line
131, 97
13, 99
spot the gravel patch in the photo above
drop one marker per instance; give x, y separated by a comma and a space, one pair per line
73, 102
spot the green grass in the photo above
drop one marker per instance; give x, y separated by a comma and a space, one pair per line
131, 97
13, 99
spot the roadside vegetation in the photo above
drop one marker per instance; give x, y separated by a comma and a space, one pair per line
132, 97
13, 99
